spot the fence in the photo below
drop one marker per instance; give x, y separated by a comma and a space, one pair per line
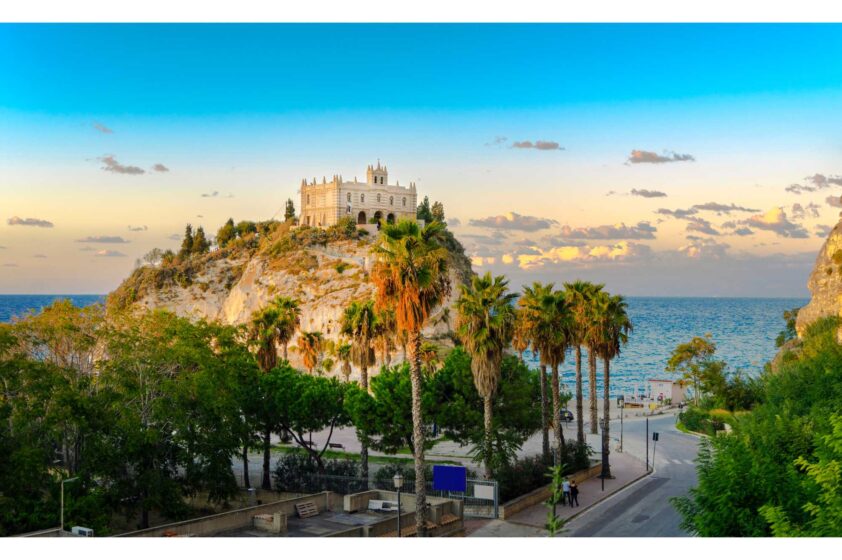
480, 499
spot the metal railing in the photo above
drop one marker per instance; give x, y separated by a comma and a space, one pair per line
480, 499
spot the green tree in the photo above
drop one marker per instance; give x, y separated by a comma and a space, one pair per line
555, 324
411, 278
612, 326
532, 319
201, 244
694, 361
226, 233
424, 212
186, 242
452, 398
360, 324
790, 316
437, 211
484, 324
579, 295
289, 211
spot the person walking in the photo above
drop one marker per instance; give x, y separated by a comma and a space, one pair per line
565, 487
574, 493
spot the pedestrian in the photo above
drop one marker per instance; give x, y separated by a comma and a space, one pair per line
574, 493
565, 487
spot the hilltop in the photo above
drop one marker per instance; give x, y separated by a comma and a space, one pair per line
324, 269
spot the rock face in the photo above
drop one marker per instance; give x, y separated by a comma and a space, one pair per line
825, 283
324, 280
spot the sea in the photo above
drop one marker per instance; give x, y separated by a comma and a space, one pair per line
744, 330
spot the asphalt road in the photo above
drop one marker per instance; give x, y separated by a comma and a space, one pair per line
643, 509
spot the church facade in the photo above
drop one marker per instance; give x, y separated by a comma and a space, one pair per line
324, 204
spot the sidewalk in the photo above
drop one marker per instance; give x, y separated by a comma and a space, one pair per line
530, 522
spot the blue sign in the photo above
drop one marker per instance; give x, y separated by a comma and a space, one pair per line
450, 478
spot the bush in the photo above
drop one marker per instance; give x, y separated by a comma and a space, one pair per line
297, 472
530, 473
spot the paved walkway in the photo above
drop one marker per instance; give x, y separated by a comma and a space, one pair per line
531, 521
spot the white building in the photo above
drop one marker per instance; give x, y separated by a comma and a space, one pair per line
660, 390
324, 204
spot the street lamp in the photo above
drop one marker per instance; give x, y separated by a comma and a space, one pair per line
62, 498
621, 404
398, 480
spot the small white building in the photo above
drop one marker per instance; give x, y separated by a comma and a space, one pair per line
664, 390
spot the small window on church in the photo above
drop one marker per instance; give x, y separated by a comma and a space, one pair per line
308, 199
362, 198
404, 201
378, 198
391, 201
349, 197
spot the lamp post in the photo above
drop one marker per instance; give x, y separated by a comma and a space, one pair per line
62, 498
398, 480
621, 403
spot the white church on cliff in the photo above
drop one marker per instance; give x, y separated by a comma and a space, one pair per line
324, 204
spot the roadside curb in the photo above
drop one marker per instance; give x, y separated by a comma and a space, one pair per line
597, 502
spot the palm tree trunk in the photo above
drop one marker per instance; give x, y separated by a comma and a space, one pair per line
545, 436
267, 450
580, 421
285, 351
592, 390
488, 446
606, 413
246, 481
418, 433
362, 436
559, 436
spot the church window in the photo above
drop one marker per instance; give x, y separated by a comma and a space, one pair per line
391, 201
349, 197
378, 197
362, 198
404, 201
308, 199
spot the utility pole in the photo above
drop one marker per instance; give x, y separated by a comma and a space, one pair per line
647, 444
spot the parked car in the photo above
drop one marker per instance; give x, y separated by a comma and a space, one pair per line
566, 415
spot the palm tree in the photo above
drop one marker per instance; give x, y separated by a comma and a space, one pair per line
384, 335
612, 328
411, 278
579, 295
360, 324
530, 315
266, 331
310, 347
520, 336
556, 322
429, 356
343, 352
289, 319
484, 325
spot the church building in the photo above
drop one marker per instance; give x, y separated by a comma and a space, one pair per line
324, 204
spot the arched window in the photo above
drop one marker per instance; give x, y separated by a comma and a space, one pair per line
308, 199
378, 197
349, 197
362, 198
391, 201
404, 201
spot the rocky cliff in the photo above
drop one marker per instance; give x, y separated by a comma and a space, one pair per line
825, 283
323, 270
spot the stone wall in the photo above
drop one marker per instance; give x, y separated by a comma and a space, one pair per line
825, 283
542, 494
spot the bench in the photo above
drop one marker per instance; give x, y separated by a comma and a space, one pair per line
306, 509
336, 446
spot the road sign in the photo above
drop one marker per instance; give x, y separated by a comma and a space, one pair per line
654, 436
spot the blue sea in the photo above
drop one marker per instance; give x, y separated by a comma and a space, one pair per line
744, 330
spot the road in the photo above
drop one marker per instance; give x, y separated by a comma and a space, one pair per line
643, 509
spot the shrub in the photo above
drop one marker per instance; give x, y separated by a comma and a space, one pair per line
297, 472
530, 473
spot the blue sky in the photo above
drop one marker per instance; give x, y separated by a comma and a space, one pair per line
248, 110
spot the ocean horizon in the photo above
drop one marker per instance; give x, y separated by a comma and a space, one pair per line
744, 330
